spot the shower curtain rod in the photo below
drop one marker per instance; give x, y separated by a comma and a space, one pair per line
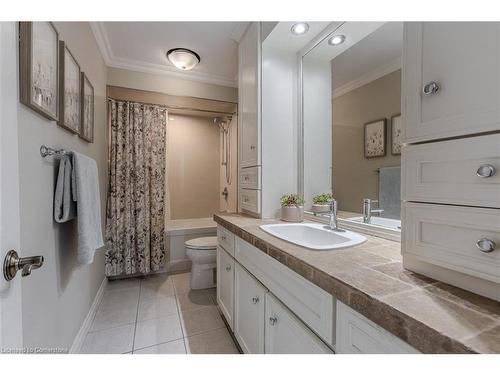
174, 107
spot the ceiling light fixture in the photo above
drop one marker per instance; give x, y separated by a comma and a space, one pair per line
300, 28
336, 40
183, 58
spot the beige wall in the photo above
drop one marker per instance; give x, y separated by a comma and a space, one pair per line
169, 85
354, 176
193, 166
57, 297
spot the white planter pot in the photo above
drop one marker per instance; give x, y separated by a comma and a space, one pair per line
320, 208
294, 214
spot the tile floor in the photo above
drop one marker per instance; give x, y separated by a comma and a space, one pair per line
158, 314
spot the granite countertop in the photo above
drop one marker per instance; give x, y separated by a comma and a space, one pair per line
431, 316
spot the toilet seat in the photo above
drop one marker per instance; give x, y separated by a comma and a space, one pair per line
202, 243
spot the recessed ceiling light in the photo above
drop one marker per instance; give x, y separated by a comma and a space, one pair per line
299, 28
183, 58
336, 40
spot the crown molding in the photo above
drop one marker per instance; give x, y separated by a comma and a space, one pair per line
368, 77
238, 31
113, 61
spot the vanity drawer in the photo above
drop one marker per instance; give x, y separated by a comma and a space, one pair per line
250, 200
225, 239
250, 178
309, 302
448, 236
447, 172
359, 335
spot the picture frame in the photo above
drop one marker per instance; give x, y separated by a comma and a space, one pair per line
375, 138
396, 134
39, 68
69, 90
87, 109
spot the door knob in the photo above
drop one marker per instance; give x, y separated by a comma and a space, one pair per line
485, 171
486, 245
430, 88
13, 263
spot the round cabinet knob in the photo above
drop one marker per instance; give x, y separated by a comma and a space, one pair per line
486, 245
255, 300
430, 88
273, 320
485, 171
228, 268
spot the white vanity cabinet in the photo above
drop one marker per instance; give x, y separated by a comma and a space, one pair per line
249, 132
451, 79
286, 334
225, 285
359, 335
249, 96
249, 303
450, 187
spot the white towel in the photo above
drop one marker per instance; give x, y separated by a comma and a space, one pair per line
86, 193
64, 206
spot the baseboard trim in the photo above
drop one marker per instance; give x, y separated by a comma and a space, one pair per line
87, 322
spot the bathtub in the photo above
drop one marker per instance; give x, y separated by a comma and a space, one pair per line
380, 221
177, 232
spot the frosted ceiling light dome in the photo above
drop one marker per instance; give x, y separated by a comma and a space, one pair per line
299, 28
336, 40
183, 58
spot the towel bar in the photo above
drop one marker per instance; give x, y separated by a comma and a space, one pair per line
49, 151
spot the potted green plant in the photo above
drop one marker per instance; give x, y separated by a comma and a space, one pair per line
292, 208
321, 202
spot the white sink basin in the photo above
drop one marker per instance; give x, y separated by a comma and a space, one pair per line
314, 236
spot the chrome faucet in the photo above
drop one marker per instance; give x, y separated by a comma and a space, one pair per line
368, 211
333, 216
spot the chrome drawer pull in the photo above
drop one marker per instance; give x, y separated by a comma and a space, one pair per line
273, 320
430, 88
255, 300
486, 245
486, 170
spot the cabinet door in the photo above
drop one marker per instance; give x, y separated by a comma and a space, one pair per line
225, 284
358, 335
249, 300
463, 58
249, 96
286, 334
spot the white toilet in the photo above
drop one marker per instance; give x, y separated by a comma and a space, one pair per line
203, 254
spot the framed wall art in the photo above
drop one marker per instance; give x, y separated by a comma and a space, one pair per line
69, 90
396, 135
38, 68
87, 109
375, 136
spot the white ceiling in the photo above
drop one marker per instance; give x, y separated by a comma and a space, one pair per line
378, 51
142, 46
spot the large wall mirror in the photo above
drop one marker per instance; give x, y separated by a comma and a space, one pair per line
351, 105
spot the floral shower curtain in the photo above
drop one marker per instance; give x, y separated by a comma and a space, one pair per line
135, 207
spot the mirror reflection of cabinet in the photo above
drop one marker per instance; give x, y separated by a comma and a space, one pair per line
452, 79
